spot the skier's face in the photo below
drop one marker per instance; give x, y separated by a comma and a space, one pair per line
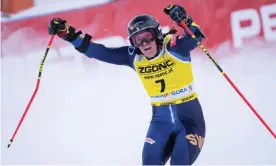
146, 43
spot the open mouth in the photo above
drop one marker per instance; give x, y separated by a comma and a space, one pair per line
147, 49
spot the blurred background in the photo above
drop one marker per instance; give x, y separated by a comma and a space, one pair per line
93, 113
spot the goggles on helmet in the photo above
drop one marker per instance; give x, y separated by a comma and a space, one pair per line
144, 36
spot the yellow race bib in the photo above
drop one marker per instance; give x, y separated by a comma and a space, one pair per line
166, 78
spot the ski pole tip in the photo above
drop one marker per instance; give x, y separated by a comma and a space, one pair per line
10, 143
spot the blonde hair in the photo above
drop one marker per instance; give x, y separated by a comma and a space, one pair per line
171, 31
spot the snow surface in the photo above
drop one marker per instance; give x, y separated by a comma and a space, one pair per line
97, 113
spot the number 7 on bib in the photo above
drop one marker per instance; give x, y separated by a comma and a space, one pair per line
163, 85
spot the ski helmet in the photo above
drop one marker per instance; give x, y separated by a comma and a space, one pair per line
143, 23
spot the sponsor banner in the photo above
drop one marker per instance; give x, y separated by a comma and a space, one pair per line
173, 95
15, 6
221, 20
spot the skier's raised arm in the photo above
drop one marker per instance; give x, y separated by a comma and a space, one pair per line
183, 43
83, 44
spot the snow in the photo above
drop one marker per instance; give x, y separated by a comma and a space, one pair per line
97, 113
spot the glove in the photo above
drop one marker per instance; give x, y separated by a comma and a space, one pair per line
59, 27
178, 14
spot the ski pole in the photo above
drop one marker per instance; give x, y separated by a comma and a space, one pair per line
35, 91
227, 78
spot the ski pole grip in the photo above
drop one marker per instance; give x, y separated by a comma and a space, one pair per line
167, 9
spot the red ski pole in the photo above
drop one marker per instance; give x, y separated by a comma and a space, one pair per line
228, 79
34, 93
182, 24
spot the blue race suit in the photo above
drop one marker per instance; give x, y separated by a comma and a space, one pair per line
177, 128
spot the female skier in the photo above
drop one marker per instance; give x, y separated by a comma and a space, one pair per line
163, 63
